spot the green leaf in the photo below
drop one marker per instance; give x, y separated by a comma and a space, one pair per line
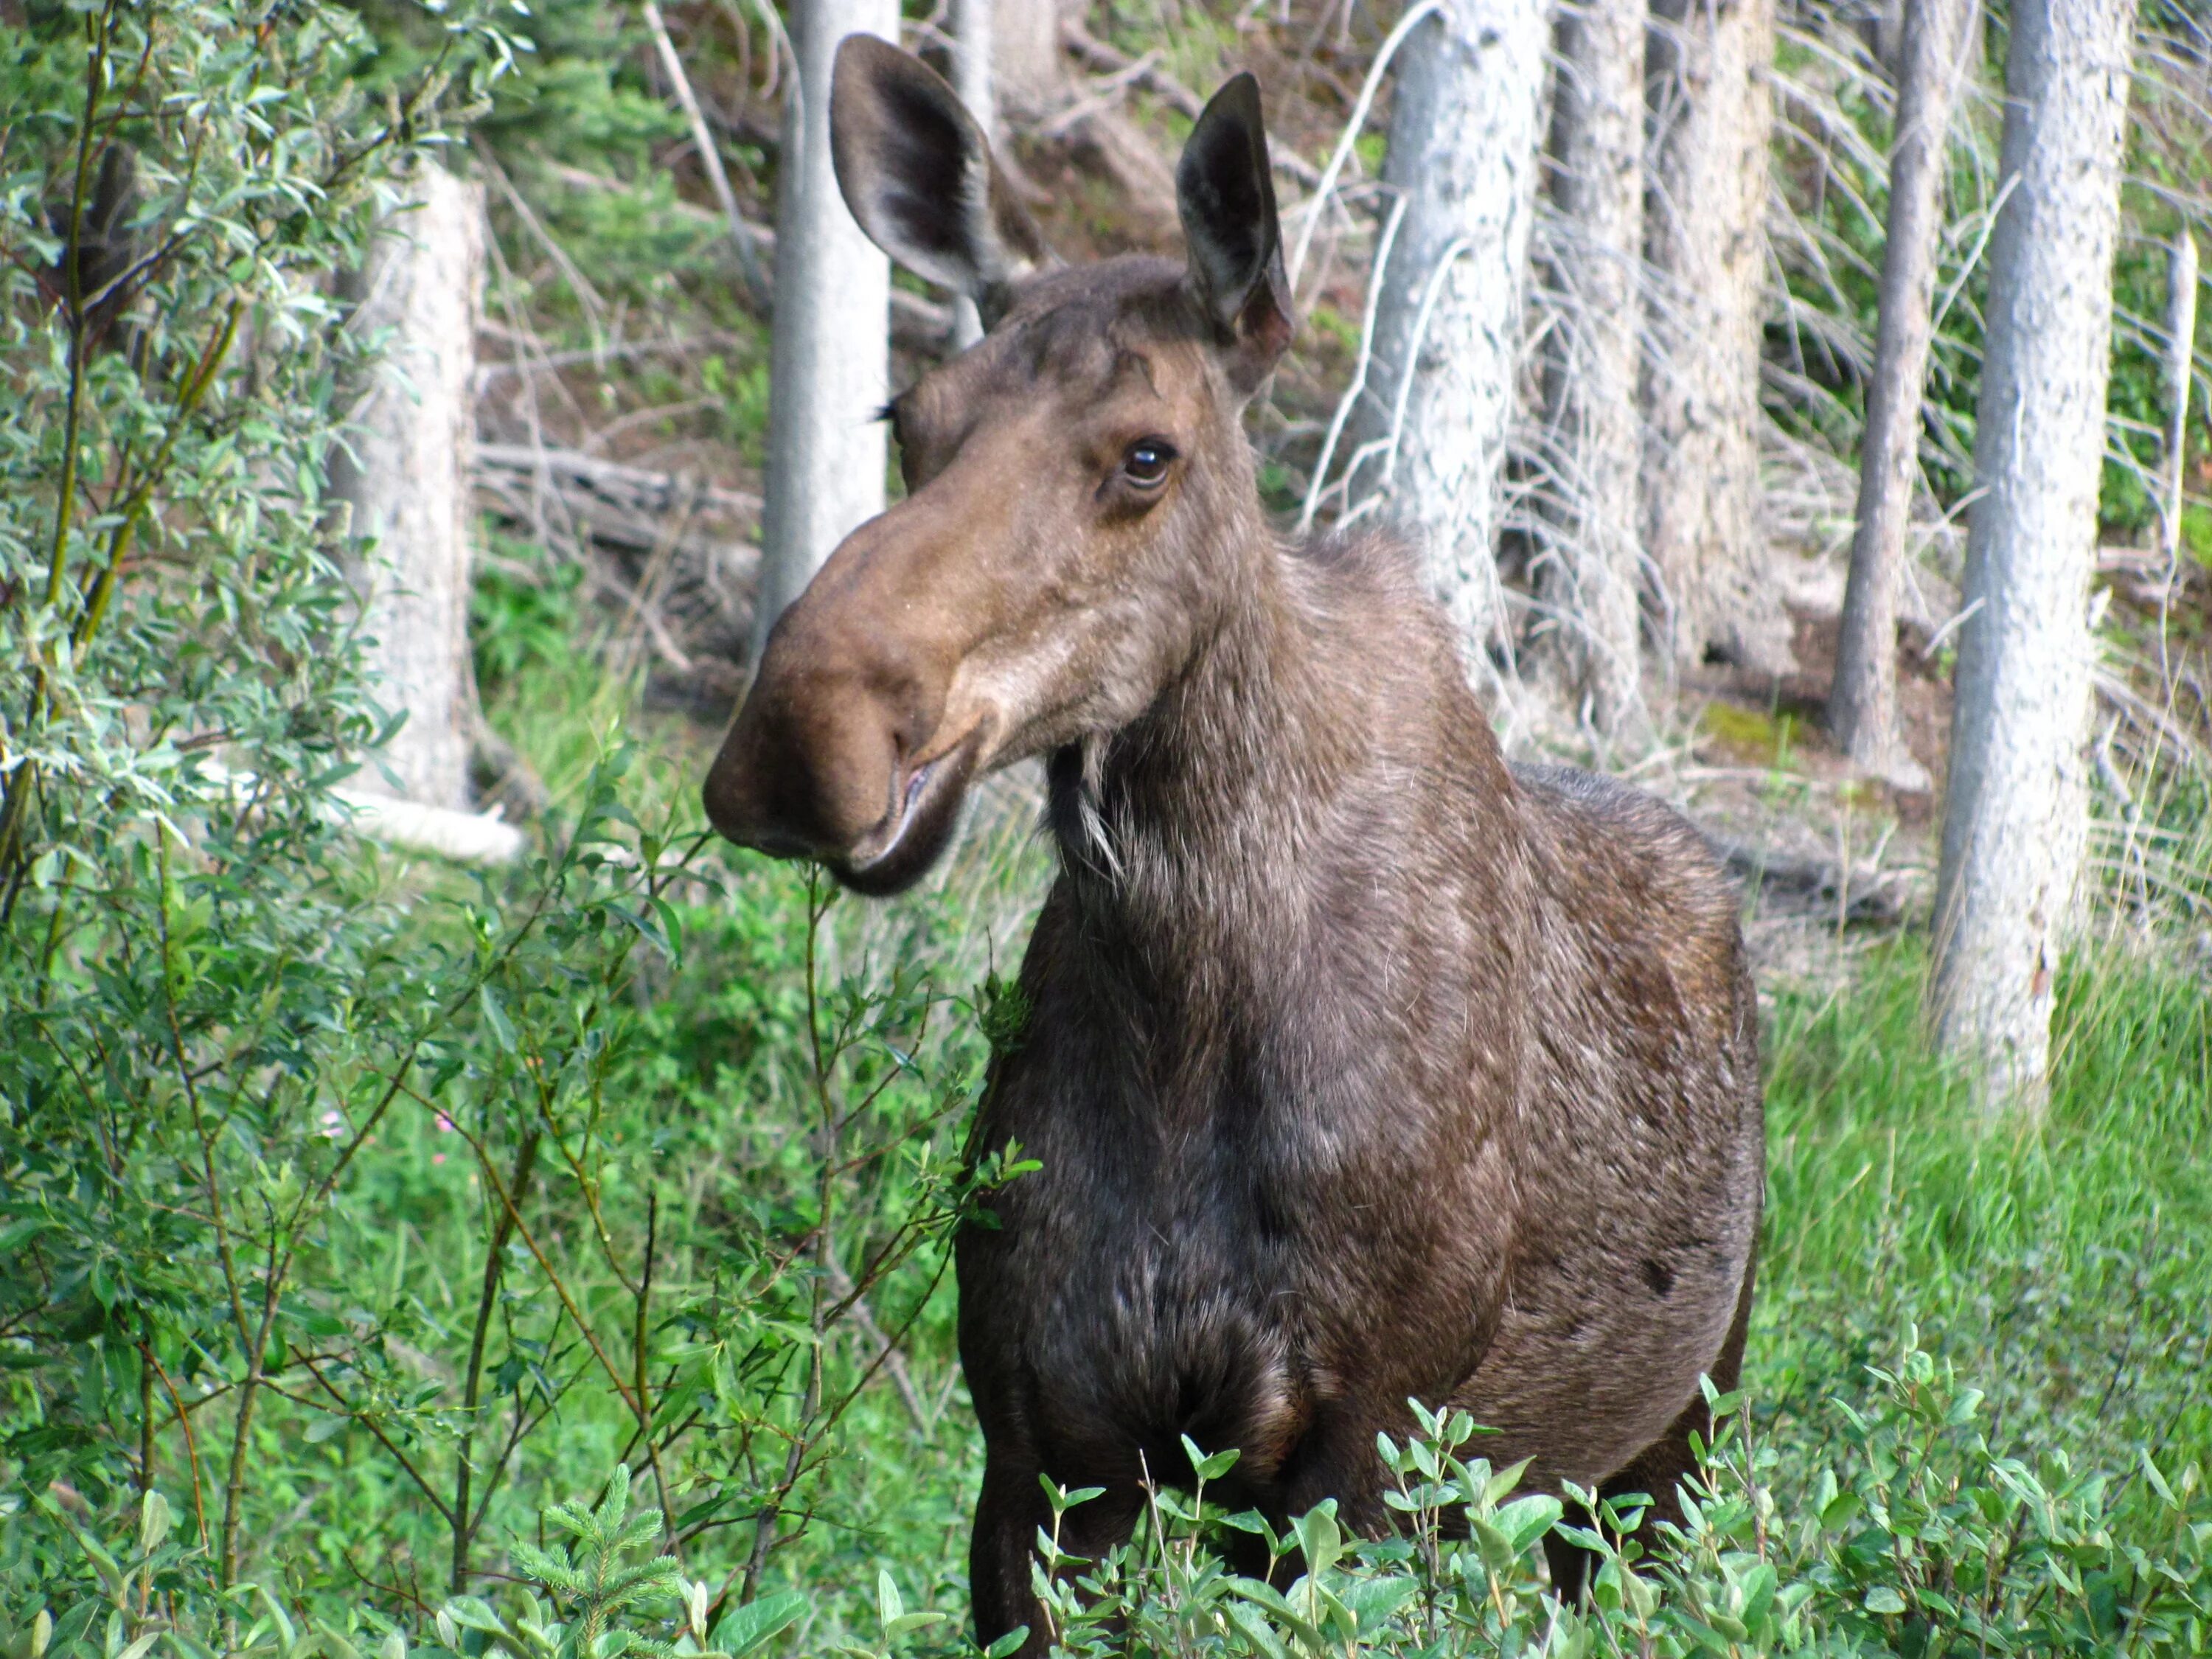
1209, 1468
1320, 1539
1525, 1520
1374, 1600
154, 1521
1009, 1645
1882, 1598
472, 1614
1062, 1502
502, 1031
1259, 1636
748, 1627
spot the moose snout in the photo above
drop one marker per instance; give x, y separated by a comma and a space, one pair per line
836, 754
806, 772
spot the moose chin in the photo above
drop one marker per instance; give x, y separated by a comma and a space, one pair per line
1361, 1068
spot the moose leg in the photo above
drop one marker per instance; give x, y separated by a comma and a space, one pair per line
1008, 1512
1660, 1468
1002, 1554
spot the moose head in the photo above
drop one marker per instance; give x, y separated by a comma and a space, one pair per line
1081, 506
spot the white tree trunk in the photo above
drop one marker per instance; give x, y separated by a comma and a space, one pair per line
972, 34
829, 363
1598, 124
1464, 133
1712, 60
1025, 55
408, 480
1862, 704
2180, 378
2017, 810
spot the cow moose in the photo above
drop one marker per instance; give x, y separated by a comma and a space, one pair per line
1361, 1067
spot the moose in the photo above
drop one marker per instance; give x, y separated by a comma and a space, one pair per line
1361, 1067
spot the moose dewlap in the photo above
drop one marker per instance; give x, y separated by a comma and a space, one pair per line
1360, 1067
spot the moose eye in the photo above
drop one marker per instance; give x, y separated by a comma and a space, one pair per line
1146, 463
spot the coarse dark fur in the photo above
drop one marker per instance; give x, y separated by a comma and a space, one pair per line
1360, 1067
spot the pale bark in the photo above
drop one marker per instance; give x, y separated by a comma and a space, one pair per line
1712, 61
1884, 28
1025, 56
2016, 817
829, 363
972, 34
1862, 703
407, 480
1464, 134
2180, 377
1598, 142
441, 832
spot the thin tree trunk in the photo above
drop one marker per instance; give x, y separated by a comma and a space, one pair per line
1711, 61
1464, 133
829, 363
408, 480
1862, 703
972, 35
2180, 377
1025, 55
1598, 140
2015, 818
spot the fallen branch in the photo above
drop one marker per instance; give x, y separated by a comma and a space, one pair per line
710, 156
611, 502
1123, 69
1869, 895
464, 837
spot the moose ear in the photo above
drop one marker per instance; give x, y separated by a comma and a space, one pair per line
1228, 205
917, 172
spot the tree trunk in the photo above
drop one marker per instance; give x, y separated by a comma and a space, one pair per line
1711, 60
2180, 379
1464, 133
972, 35
829, 361
1025, 55
1862, 704
408, 480
1598, 142
2015, 818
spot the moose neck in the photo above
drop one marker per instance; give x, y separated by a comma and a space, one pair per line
1202, 840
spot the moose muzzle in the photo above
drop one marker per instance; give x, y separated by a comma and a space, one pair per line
840, 752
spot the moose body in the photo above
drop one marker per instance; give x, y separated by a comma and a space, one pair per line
1360, 1067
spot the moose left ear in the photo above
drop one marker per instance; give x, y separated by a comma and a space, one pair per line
917, 172
1227, 199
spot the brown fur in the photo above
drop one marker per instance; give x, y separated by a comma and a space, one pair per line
1360, 1066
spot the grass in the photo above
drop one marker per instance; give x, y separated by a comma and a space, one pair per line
2062, 1268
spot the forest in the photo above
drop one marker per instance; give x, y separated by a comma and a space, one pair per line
454, 1204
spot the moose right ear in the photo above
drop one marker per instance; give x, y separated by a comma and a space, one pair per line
917, 172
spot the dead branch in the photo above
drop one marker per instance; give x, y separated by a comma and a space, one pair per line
623, 505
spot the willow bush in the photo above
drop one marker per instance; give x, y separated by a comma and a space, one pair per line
349, 1209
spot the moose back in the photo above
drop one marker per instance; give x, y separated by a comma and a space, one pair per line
1360, 1067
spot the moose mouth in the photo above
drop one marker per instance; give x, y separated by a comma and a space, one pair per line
914, 835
